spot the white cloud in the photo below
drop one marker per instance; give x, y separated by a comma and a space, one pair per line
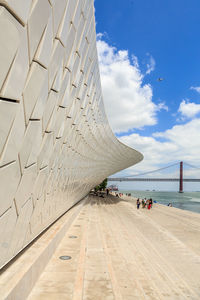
189, 109
163, 106
197, 88
151, 65
128, 102
135, 61
129, 105
180, 143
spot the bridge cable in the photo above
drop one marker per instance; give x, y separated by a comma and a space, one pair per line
149, 172
191, 166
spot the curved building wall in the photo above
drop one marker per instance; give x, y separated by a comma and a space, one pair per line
55, 141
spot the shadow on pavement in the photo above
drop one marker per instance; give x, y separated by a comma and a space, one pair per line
103, 199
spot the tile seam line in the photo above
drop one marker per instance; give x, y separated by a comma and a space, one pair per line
12, 13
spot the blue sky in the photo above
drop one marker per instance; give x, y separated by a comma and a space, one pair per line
138, 42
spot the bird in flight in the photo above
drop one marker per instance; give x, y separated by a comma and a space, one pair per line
160, 79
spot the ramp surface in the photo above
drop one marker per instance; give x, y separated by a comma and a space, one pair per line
119, 252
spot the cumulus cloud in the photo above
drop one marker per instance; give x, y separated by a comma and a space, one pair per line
189, 109
181, 142
197, 88
129, 105
128, 102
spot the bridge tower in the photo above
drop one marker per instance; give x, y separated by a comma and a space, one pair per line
181, 178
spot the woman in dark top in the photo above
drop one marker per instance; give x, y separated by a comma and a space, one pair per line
138, 203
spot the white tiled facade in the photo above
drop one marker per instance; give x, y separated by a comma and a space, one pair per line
55, 141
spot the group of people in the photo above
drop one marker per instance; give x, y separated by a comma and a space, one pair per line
119, 194
146, 203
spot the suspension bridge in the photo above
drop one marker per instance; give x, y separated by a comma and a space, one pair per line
180, 179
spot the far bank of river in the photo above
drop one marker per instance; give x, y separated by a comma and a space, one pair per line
186, 201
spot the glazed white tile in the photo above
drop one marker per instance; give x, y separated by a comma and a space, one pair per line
36, 218
78, 12
64, 26
33, 88
44, 50
37, 140
14, 138
9, 179
80, 36
70, 42
49, 108
39, 108
45, 150
21, 228
25, 188
15, 81
64, 87
60, 120
52, 121
8, 111
56, 61
58, 12
86, 7
58, 80
37, 23
31, 144
7, 225
40, 183
10, 41
19, 8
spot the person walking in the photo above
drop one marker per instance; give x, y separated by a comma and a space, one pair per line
138, 203
149, 203
143, 203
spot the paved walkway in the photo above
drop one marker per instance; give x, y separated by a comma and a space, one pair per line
118, 252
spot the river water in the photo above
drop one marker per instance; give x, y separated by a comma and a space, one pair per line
186, 201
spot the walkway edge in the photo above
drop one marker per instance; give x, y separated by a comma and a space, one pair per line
18, 279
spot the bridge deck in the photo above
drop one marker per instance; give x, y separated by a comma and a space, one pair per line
154, 179
123, 253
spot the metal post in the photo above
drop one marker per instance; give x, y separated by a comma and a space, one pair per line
181, 178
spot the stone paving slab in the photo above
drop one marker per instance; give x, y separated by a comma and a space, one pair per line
121, 253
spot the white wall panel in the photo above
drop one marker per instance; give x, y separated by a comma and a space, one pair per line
37, 23
56, 61
25, 188
30, 146
15, 81
7, 225
8, 111
55, 140
19, 8
9, 180
10, 38
44, 50
14, 138
58, 12
35, 81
